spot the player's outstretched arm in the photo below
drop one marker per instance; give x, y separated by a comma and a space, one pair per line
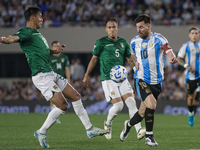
90, 67
9, 39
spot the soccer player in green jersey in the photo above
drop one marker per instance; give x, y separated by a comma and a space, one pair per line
110, 51
60, 64
54, 87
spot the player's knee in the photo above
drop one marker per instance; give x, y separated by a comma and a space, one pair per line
64, 106
152, 104
141, 113
76, 96
191, 96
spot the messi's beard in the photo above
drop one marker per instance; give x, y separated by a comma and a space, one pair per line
144, 36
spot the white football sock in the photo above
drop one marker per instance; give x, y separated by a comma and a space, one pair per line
132, 108
113, 112
82, 114
51, 119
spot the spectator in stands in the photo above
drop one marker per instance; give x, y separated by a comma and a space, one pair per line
94, 13
78, 70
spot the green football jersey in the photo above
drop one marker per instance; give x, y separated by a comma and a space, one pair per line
36, 49
59, 63
110, 53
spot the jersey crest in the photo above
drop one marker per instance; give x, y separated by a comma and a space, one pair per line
144, 45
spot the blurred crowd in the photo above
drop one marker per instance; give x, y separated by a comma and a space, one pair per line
174, 87
64, 13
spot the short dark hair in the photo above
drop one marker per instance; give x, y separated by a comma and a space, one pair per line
31, 11
112, 19
194, 28
143, 17
54, 42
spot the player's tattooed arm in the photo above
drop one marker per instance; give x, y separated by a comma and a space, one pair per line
132, 60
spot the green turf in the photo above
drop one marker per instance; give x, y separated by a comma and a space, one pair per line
171, 133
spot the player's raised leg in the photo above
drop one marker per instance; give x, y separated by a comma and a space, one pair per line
70, 93
53, 94
132, 108
138, 117
52, 117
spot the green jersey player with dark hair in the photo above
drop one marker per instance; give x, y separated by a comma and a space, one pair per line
54, 87
110, 51
60, 64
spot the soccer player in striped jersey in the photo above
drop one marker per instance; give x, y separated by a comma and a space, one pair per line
111, 51
148, 48
54, 87
190, 51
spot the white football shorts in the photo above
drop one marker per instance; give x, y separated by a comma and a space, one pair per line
114, 90
48, 83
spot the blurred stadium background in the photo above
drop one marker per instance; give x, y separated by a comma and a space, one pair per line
78, 24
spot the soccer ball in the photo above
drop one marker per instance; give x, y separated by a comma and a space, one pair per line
118, 73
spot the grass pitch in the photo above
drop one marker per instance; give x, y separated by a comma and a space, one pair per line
171, 133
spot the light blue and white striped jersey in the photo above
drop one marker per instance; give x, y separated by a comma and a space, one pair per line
191, 52
150, 55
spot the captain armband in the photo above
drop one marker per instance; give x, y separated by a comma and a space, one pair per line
166, 47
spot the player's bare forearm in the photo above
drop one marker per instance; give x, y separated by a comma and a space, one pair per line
131, 61
172, 57
9, 39
188, 67
171, 54
134, 58
91, 65
181, 61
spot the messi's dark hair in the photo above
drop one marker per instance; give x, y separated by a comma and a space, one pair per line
31, 11
143, 17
